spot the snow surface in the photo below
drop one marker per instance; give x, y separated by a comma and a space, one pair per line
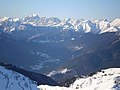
111, 29
116, 22
10, 80
63, 71
108, 79
4, 18
46, 87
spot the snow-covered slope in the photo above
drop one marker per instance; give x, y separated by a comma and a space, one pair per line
105, 80
87, 26
108, 79
10, 80
116, 22
46, 87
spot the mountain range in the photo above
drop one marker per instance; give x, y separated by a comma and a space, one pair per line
79, 25
60, 48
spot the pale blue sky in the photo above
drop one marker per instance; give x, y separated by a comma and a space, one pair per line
85, 9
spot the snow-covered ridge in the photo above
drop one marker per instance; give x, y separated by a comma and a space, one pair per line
10, 80
108, 79
86, 26
105, 80
58, 72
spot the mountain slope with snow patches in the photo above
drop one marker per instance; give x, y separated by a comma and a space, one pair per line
10, 80
108, 79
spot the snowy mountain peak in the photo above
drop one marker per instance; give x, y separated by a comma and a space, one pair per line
4, 19
32, 18
33, 15
16, 19
8, 19
111, 29
116, 22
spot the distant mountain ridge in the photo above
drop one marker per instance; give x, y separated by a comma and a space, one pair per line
79, 25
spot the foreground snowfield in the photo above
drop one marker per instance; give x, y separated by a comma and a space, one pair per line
108, 79
10, 80
46, 87
105, 80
